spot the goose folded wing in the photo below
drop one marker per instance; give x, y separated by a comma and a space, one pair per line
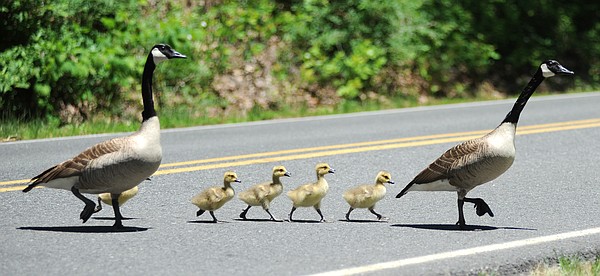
74, 166
453, 159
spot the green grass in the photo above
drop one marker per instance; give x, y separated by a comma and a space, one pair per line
16, 129
568, 265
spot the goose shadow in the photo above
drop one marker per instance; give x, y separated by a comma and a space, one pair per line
85, 229
363, 221
454, 227
207, 221
306, 221
111, 218
258, 220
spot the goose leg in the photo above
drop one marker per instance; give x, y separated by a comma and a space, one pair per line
99, 206
212, 214
88, 210
481, 206
348, 214
379, 216
291, 213
461, 215
243, 214
118, 216
200, 212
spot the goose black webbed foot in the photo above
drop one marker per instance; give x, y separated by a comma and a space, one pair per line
481, 207
87, 212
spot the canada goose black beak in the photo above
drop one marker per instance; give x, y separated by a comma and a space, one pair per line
176, 54
288, 174
563, 71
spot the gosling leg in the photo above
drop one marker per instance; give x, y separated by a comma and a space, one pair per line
244, 212
379, 216
291, 213
200, 212
118, 216
99, 206
88, 210
212, 214
272, 217
320, 214
348, 214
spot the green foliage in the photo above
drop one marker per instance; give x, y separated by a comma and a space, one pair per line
85, 58
65, 60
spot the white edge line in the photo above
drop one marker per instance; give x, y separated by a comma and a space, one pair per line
461, 253
326, 117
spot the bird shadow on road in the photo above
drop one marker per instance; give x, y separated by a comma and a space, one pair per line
306, 221
363, 221
454, 227
257, 220
85, 229
207, 221
111, 218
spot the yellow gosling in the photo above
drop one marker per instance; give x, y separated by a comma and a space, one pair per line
124, 197
214, 198
262, 194
310, 195
366, 196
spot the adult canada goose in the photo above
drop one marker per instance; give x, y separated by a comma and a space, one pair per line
119, 164
107, 198
214, 198
310, 195
366, 196
480, 160
262, 194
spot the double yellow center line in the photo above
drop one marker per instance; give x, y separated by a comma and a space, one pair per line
312, 152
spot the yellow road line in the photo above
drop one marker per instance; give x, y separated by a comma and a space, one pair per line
359, 144
313, 152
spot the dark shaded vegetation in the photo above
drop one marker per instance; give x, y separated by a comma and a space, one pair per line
69, 61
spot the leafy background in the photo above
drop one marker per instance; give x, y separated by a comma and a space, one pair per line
70, 61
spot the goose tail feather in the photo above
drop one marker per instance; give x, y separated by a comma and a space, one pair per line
405, 190
36, 180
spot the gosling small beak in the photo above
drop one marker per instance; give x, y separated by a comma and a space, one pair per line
391, 182
331, 171
238, 181
288, 174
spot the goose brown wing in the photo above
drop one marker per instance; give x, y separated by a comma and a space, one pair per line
74, 166
453, 159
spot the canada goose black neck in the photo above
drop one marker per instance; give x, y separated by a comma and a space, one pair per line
515, 112
149, 111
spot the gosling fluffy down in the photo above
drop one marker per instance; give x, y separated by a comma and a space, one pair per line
366, 196
213, 198
311, 194
264, 193
124, 197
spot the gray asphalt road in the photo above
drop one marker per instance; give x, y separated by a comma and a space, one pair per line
550, 192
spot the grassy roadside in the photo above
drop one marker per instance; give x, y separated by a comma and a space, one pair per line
572, 265
15, 129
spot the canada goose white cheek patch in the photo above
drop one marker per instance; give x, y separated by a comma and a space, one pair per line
546, 72
158, 56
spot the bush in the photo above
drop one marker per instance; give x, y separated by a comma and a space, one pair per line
71, 59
